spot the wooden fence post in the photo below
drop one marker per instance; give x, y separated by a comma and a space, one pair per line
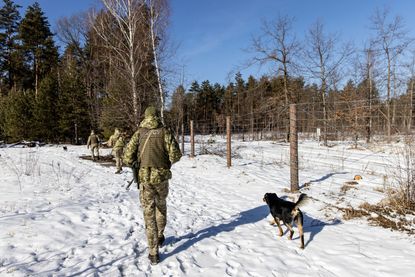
192, 140
293, 148
228, 141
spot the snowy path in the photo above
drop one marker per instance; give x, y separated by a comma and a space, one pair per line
74, 218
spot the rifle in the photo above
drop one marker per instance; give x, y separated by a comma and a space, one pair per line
134, 167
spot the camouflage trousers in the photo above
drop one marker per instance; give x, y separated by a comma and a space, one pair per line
153, 202
118, 158
95, 150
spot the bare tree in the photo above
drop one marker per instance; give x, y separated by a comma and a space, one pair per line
323, 60
277, 44
368, 68
411, 86
392, 39
75, 31
121, 32
158, 24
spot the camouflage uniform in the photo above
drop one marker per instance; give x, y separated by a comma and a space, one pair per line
113, 138
118, 151
93, 142
160, 152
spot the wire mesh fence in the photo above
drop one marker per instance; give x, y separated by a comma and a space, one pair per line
348, 137
339, 121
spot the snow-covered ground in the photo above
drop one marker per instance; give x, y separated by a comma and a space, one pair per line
63, 216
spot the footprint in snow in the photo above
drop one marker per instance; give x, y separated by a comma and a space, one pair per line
221, 251
181, 264
232, 268
84, 217
129, 233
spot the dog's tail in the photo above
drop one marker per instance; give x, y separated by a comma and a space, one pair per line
302, 200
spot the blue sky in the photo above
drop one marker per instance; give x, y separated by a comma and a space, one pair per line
213, 34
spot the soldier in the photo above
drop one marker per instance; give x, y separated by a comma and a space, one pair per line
93, 142
156, 149
113, 138
118, 150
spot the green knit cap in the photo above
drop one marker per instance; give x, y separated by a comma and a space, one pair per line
150, 111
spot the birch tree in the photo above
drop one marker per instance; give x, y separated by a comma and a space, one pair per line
120, 31
158, 23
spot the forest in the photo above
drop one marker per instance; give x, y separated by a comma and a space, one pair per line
101, 68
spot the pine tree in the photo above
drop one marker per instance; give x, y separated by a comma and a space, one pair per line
2, 117
9, 22
74, 121
191, 98
45, 115
41, 54
18, 115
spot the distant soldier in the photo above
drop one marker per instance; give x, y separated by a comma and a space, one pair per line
118, 150
93, 142
155, 149
113, 138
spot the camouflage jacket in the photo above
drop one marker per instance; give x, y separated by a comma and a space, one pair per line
119, 144
92, 140
148, 174
113, 139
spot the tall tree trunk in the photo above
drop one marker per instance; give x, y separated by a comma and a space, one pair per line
153, 20
411, 103
388, 100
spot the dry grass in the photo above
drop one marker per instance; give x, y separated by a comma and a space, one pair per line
381, 215
379, 189
348, 186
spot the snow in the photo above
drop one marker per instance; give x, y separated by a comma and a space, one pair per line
64, 216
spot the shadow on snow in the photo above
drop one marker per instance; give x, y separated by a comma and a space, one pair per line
311, 226
246, 217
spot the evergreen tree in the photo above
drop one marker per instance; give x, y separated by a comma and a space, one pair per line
45, 115
18, 115
74, 122
9, 22
2, 117
41, 54
191, 98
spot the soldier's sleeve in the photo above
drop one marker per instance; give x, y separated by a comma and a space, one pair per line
130, 153
172, 147
109, 143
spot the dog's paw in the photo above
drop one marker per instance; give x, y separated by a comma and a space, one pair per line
272, 222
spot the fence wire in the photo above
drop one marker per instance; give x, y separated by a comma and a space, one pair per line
356, 132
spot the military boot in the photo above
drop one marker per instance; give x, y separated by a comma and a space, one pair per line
154, 259
161, 240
